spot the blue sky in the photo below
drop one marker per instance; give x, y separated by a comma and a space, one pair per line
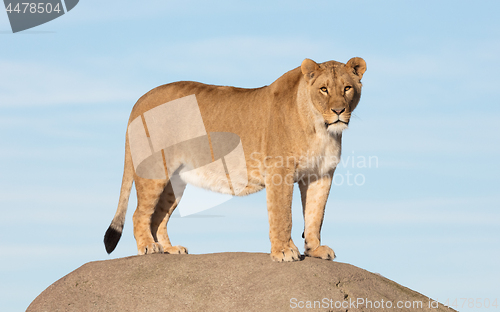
426, 215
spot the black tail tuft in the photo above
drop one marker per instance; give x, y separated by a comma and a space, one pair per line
111, 239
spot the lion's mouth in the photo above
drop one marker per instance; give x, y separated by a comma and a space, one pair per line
335, 122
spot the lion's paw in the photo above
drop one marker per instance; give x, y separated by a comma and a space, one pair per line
150, 249
322, 252
288, 254
176, 250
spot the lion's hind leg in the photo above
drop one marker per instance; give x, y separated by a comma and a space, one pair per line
148, 195
164, 209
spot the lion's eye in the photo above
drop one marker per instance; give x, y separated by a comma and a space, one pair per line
347, 88
324, 89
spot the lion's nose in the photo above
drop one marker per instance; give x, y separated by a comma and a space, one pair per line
338, 112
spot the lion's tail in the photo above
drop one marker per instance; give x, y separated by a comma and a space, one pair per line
114, 231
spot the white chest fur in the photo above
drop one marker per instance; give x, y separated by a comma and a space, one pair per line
322, 156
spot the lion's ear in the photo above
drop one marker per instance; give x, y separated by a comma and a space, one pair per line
308, 68
357, 65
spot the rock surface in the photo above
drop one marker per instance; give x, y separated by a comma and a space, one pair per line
225, 282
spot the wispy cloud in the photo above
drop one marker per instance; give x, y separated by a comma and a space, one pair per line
451, 75
30, 83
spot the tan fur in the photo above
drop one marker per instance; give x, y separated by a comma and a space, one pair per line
289, 135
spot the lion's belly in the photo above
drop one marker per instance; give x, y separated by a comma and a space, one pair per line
235, 183
205, 179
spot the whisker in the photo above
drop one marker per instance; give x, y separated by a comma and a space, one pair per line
356, 116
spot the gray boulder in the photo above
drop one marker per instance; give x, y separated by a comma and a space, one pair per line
226, 282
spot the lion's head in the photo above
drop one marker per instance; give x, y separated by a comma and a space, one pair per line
334, 89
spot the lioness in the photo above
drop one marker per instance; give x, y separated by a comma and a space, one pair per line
290, 132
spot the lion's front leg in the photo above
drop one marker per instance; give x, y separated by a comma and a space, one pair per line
279, 207
314, 193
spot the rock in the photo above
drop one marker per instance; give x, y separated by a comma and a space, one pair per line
225, 282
